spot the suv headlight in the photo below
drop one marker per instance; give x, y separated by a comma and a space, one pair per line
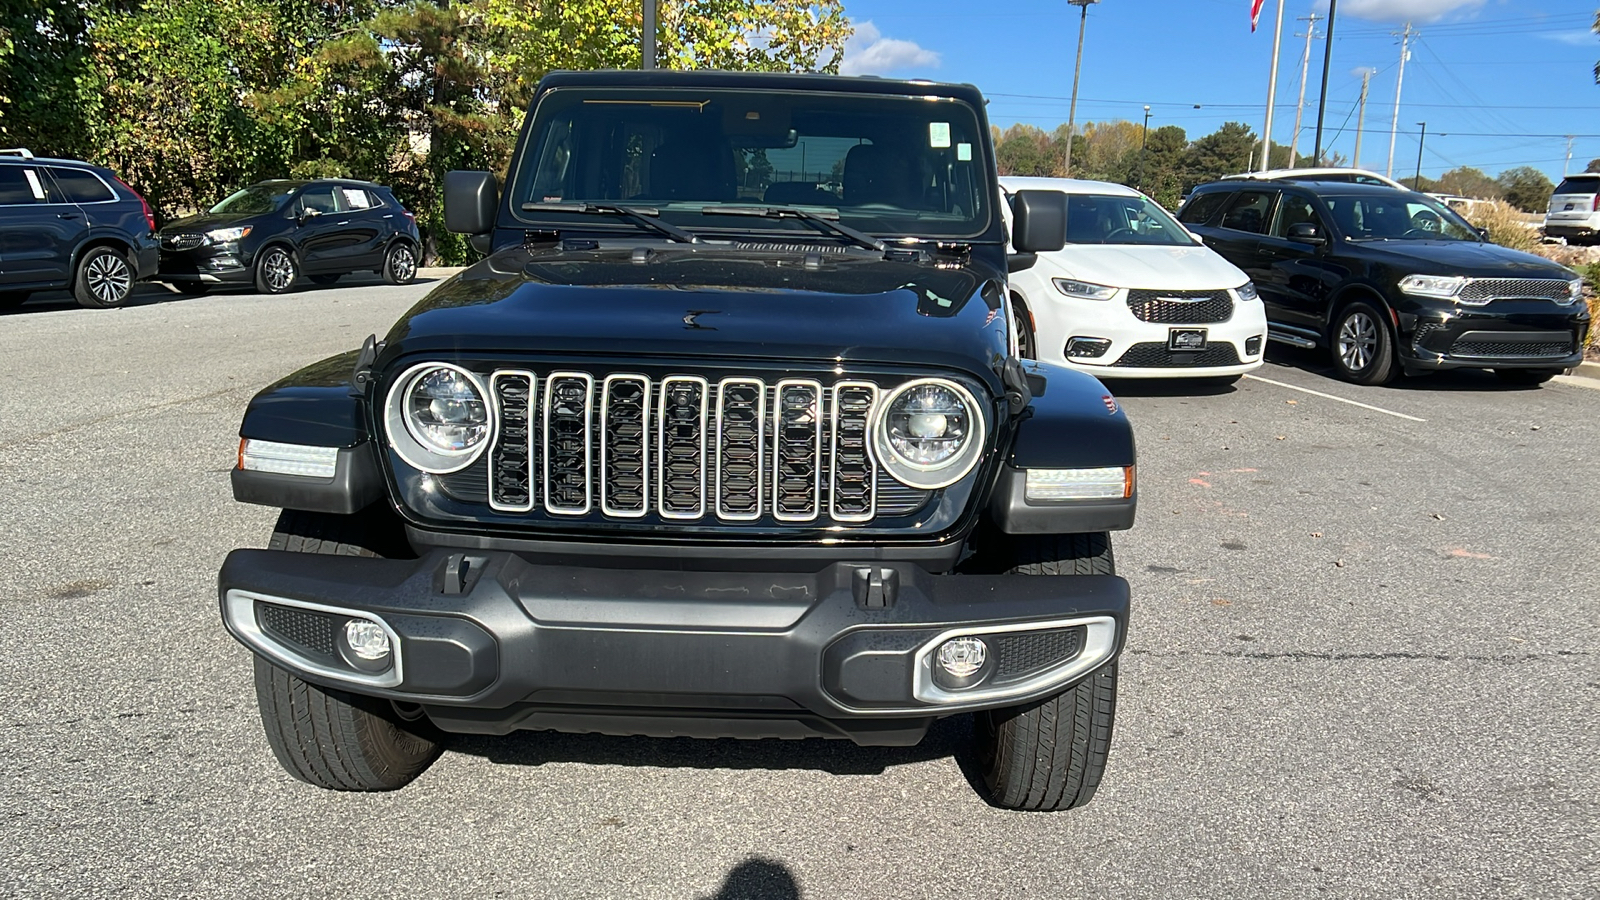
226, 235
437, 417
929, 433
1247, 292
1084, 290
1574, 290
1444, 287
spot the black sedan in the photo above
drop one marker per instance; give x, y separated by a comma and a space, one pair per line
269, 234
1391, 281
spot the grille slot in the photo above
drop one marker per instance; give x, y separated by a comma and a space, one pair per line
1484, 290
1155, 354
625, 446
1512, 349
797, 451
1024, 653
741, 450
852, 477
567, 443
308, 631
181, 242
683, 446
1181, 307
511, 486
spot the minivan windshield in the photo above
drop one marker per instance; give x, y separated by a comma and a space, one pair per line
257, 198
880, 164
1117, 219
1397, 216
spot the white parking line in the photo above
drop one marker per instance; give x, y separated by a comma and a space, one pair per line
1387, 412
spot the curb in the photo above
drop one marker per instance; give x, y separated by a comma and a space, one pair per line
1587, 369
439, 271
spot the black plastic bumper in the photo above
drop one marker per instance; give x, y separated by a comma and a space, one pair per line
1483, 339
491, 643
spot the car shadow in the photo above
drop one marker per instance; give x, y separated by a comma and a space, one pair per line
1315, 362
152, 293
1168, 387
946, 738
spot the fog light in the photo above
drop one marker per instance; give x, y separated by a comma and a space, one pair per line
1087, 347
961, 662
1110, 483
366, 639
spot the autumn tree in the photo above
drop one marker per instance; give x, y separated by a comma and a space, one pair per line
1469, 182
1226, 151
1526, 188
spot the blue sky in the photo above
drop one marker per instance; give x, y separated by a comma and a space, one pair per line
1499, 82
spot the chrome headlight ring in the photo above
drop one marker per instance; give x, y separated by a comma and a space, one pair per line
941, 473
405, 434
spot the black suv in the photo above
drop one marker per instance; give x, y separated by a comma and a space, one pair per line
268, 234
66, 224
727, 436
1391, 281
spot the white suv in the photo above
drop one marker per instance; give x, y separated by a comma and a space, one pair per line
1574, 211
1133, 294
1321, 173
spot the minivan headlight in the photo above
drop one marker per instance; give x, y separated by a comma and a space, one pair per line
1444, 287
929, 433
1084, 290
438, 418
1247, 292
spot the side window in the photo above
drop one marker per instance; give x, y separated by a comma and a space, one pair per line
358, 199
1249, 212
320, 199
1296, 209
79, 186
20, 186
1202, 208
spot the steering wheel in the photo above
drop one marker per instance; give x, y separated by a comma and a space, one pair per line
1116, 231
1419, 233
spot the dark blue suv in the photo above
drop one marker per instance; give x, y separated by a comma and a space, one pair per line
66, 224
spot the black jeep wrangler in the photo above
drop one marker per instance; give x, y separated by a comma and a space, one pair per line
728, 436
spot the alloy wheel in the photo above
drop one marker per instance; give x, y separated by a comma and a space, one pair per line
109, 278
1358, 341
279, 269
402, 264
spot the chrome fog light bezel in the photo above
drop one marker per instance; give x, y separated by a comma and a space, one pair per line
239, 614
1099, 645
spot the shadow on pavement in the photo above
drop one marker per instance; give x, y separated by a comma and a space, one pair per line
1315, 362
1168, 387
947, 737
151, 293
758, 878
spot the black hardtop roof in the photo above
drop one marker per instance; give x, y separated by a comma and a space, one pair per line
761, 81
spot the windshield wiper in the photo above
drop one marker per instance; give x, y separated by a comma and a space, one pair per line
823, 222
648, 216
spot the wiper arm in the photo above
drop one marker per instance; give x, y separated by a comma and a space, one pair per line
648, 216
861, 238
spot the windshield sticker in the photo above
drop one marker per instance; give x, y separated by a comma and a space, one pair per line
963, 152
938, 135
33, 183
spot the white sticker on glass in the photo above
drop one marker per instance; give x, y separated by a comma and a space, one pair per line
355, 198
964, 152
33, 184
938, 135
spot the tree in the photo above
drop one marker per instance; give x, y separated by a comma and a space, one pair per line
1594, 166
43, 54
1469, 182
1225, 151
1526, 188
1027, 150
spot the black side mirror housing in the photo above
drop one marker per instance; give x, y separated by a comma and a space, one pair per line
1038, 221
1306, 233
1482, 232
470, 202
307, 215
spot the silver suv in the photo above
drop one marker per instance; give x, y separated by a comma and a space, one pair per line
1574, 211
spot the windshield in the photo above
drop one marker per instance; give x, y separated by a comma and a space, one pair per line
257, 198
892, 166
1396, 216
1112, 219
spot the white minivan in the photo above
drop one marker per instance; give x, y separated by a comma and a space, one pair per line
1574, 213
1133, 294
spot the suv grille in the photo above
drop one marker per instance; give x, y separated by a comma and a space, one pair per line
1181, 307
1512, 349
180, 242
1483, 290
683, 448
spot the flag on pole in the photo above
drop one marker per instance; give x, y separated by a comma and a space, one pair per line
1255, 14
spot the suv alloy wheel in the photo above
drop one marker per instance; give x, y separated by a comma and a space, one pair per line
1363, 350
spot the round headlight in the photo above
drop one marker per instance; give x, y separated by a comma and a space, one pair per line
930, 433
438, 417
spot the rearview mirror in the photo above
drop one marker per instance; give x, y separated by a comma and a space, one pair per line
470, 200
1038, 221
1306, 233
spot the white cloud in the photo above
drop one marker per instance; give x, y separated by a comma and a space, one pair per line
1575, 38
1406, 10
868, 52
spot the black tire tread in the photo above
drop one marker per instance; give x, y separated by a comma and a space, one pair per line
387, 272
1063, 554
1385, 366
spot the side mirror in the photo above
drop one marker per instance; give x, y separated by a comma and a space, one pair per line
307, 215
470, 201
1038, 221
1306, 233
1482, 232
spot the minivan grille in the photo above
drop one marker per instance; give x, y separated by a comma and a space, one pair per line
683, 448
1181, 307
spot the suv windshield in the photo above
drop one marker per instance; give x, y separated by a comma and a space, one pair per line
1112, 219
257, 198
885, 165
1397, 216
1579, 185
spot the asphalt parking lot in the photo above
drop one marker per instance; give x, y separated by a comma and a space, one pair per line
1363, 664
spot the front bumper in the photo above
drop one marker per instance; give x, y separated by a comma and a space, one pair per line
1138, 349
487, 642
1502, 335
212, 264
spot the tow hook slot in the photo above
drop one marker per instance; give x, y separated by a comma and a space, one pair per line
875, 587
459, 573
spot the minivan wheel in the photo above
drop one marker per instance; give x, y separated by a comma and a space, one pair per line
1363, 350
104, 279
276, 271
400, 264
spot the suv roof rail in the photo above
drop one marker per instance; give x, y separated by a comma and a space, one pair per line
23, 152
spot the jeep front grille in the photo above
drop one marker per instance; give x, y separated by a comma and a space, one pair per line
682, 449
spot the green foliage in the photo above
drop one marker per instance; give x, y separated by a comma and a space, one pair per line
1225, 151
1526, 188
1594, 166
1469, 182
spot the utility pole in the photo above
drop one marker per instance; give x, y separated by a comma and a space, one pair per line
1568, 164
647, 36
1361, 116
1272, 92
1416, 183
1144, 140
1305, 69
1077, 70
1399, 79
1322, 98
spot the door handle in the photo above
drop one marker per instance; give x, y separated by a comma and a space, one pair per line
345, 222
66, 215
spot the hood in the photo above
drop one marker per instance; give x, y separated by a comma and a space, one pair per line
208, 221
1162, 268
1468, 258
711, 301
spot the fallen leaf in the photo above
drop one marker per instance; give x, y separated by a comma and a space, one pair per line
1437, 516
1534, 428
1462, 553
1282, 436
1339, 563
1316, 534
1292, 402
1221, 602
1200, 482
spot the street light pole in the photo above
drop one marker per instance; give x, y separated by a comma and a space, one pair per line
1416, 183
647, 36
1077, 70
1144, 140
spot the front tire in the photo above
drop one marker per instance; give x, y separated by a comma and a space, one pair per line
1050, 754
1027, 346
328, 737
104, 279
1526, 377
276, 270
1363, 348
400, 264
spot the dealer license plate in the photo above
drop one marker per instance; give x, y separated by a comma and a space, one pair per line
1186, 338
